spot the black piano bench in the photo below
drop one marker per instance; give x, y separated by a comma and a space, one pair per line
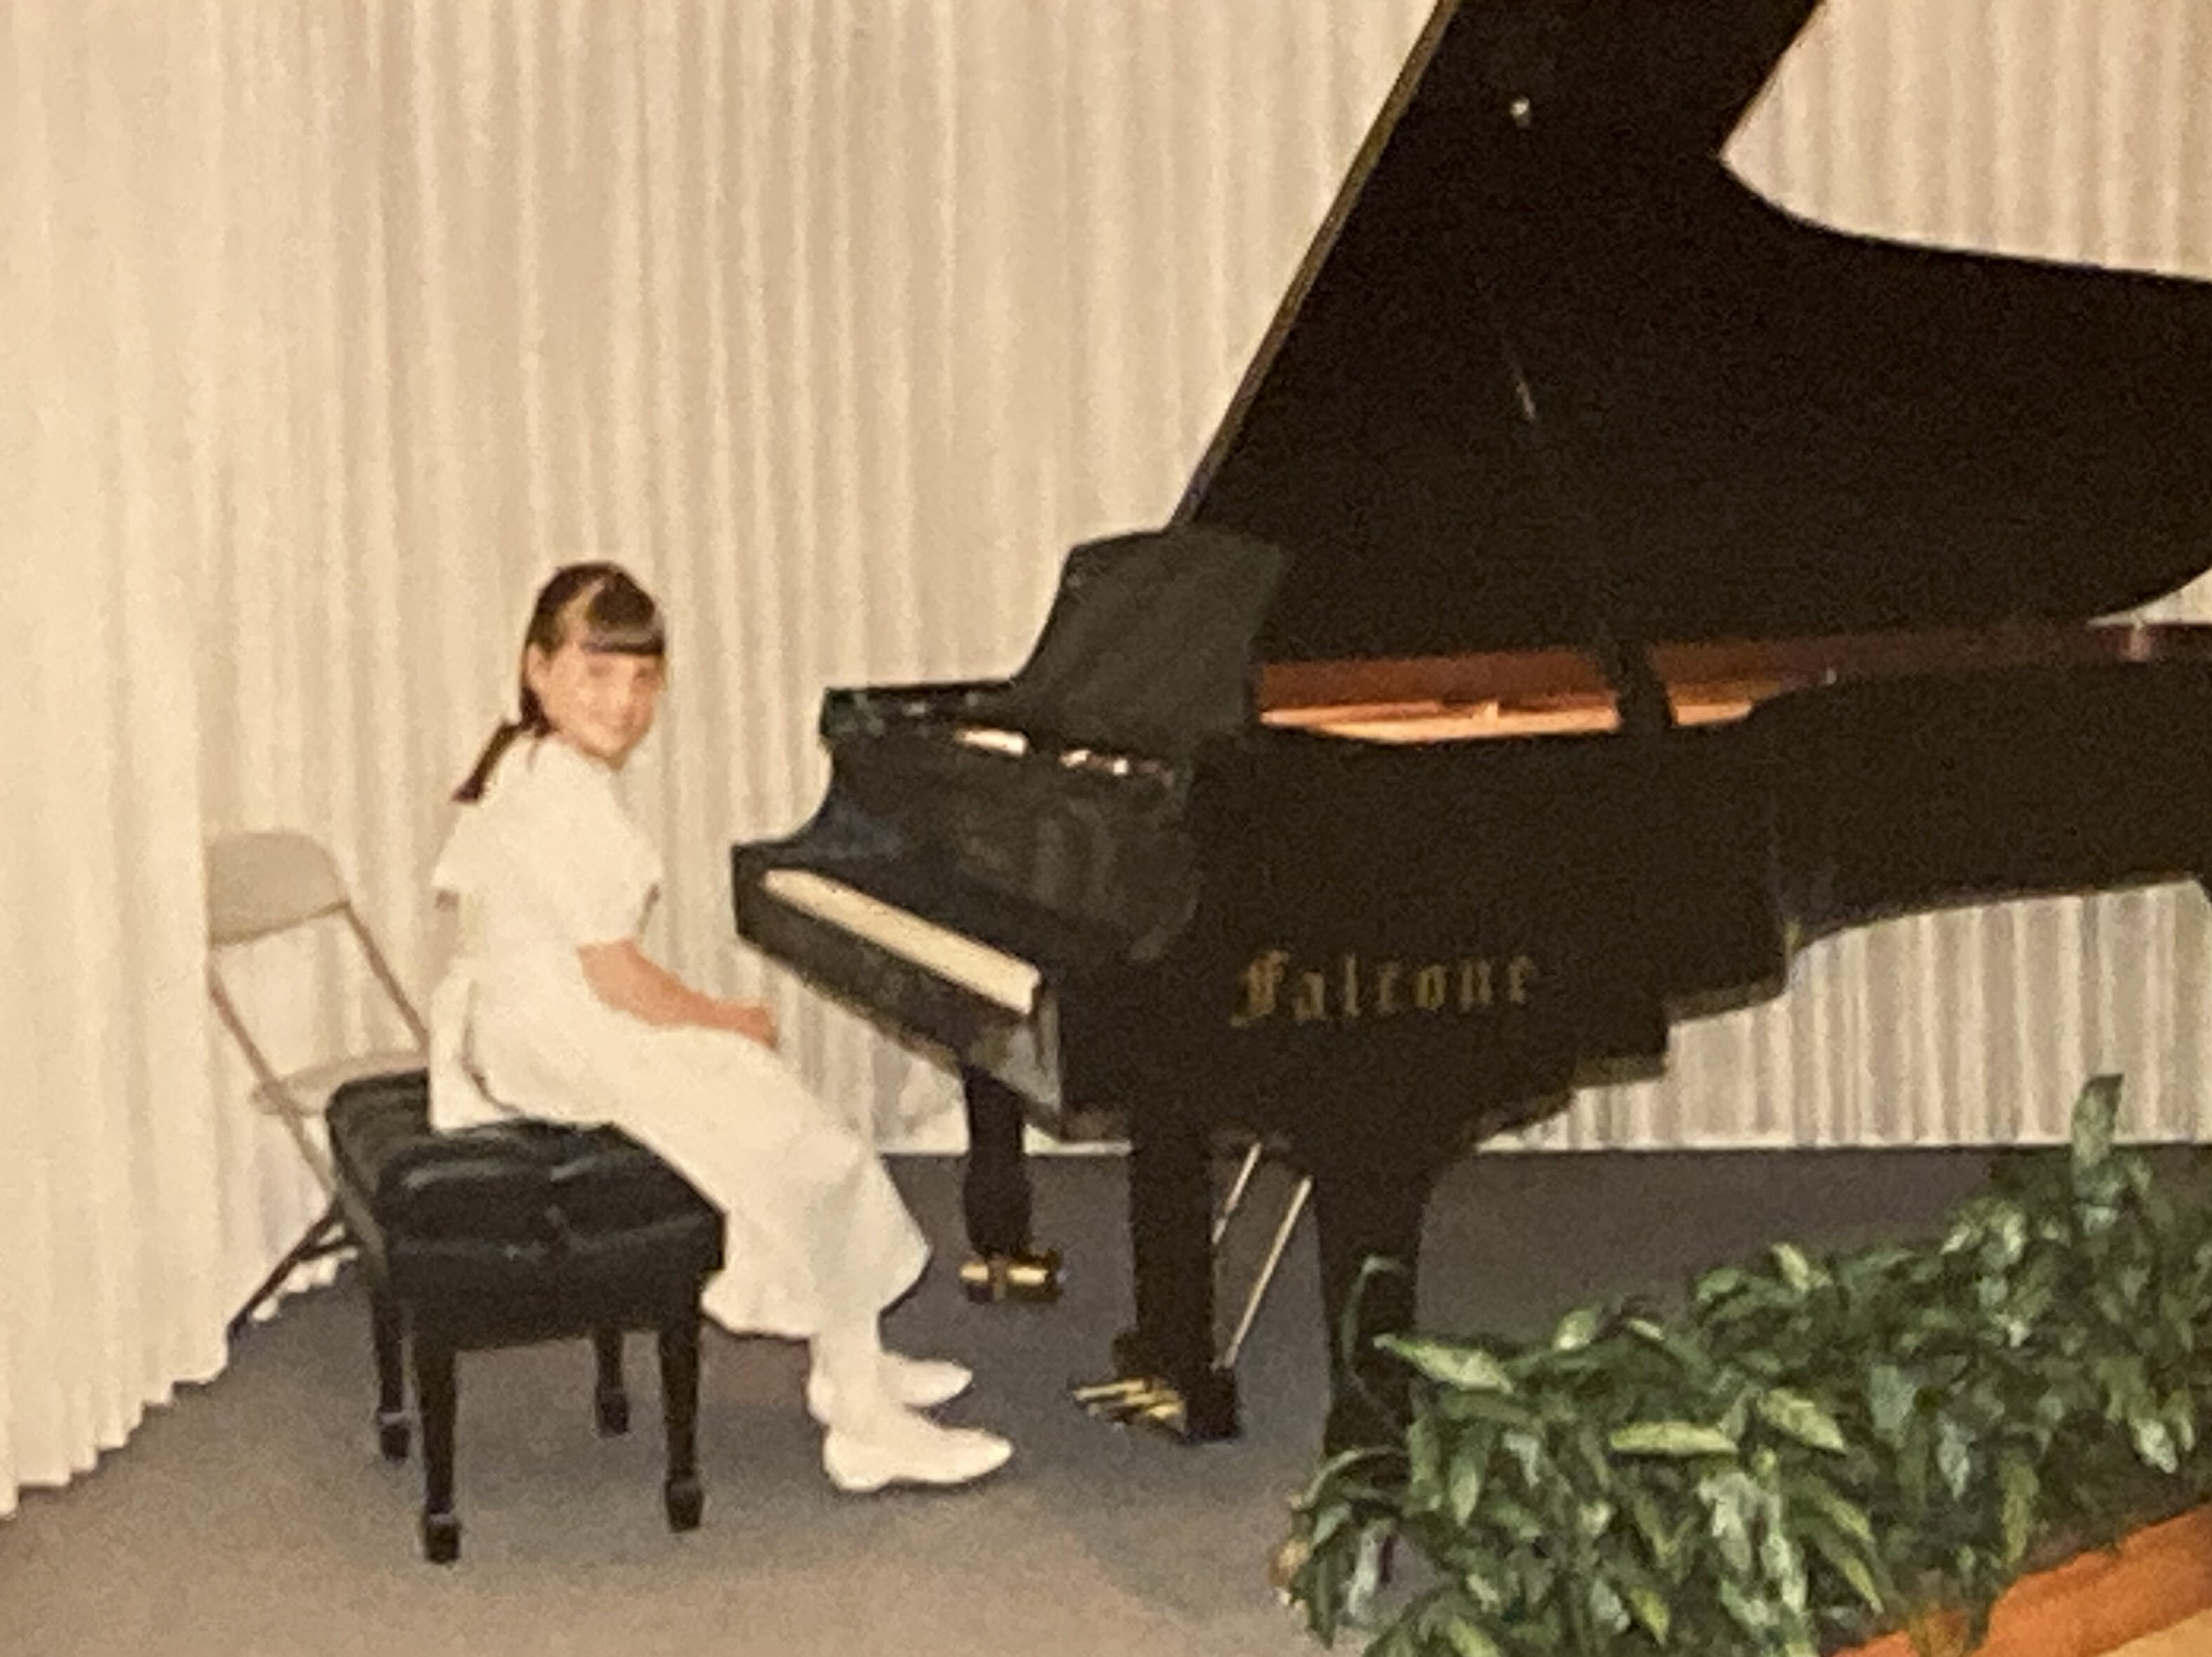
510, 1233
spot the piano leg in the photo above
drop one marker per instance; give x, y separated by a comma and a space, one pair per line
994, 1198
1362, 1213
1166, 1374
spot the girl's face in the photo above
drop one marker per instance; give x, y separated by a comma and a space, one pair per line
598, 702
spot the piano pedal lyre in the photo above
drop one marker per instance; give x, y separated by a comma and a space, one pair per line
1139, 1397
1285, 1228
1032, 1276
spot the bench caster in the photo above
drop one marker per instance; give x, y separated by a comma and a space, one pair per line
392, 1436
441, 1537
613, 1407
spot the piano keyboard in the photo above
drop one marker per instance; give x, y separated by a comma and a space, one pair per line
990, 973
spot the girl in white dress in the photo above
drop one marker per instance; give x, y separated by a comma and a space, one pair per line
550, 1009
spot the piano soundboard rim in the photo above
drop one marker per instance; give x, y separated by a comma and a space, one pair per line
1490, 694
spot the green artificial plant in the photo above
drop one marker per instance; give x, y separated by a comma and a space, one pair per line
1810, 1452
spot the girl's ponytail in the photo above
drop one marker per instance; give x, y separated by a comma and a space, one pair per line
479, 776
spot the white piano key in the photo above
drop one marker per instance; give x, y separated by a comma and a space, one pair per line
993, 973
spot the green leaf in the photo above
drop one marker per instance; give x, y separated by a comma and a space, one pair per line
1333, 1469
1674, 1438
1328, 1521
2181, 1415
1607, 1608
1796, 1271
2020, 1487
1719, 1283
1527, 1450
1425, 1462
1892, 1396
1464, 1488
1847, 1516
1729, 1500
1802, 1419
1484, 1578
2124, 1384
1396, 1640
2154, 1441
1663, 1538
1451, 1363
1850, 1564
1516, 1519
1753, 1613
1367, 1572
1492, 1409
2007, 1241
1468, 1640
1652, 1611
1784, 1564
2095, 1113
1955, 1455
1683, 1345
1577, 1329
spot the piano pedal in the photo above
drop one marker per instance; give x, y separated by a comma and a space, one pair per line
1206, 1414
1127, 1399
1032, 1276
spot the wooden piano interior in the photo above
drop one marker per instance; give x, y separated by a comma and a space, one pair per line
1434, 699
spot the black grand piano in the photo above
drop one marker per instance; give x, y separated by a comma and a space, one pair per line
1602, 584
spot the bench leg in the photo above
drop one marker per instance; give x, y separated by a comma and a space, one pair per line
436, 1393
610, 1399
388, 1331
679, 1403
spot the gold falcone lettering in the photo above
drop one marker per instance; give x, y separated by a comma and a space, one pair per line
1275, 985
1431, 984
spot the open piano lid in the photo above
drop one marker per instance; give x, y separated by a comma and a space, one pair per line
1745, 426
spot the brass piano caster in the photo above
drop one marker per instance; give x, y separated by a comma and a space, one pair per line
1032, 1276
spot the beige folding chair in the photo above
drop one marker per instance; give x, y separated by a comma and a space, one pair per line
261, 884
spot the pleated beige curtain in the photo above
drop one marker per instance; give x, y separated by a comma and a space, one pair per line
113, 1160
331, 326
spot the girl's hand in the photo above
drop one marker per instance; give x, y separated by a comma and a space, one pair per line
754, 1023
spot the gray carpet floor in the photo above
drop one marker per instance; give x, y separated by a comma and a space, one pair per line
253, 1516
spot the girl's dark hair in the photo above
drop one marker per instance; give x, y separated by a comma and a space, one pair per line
612, 613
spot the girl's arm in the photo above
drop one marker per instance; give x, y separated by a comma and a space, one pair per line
627, 980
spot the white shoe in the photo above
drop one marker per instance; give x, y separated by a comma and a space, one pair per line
898, 1447
917, 1383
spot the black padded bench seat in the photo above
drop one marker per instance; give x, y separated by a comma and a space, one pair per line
514, 1232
